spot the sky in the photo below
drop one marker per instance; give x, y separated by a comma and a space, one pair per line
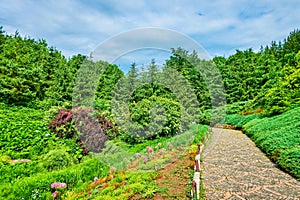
218, 26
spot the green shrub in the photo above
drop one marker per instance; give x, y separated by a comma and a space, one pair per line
168, 119
57, 159
277, 136
240, 120
13, 172
24, 132
290, 161
236, 107
41, 182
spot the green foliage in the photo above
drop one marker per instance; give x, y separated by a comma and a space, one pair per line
282, 95
199, 131
42, 82
270, 78
13, 172
108, 81
24, 133
244, 73
32, 72
289, 161
237, 107
57, 159
181, 61
240, 120
127, 185
140, 114
277, 136
41, 182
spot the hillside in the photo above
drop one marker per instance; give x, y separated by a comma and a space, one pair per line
57, 142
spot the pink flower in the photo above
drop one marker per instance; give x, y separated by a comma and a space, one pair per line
58, 185
138, 155
161, 151
170, 146
145, 159
112, 170
149, 149
96, 179
54, 194
187, 132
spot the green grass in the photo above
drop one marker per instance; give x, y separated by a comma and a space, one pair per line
40, 183
25, 135
124, 186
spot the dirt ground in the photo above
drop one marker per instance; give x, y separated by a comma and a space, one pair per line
174, 179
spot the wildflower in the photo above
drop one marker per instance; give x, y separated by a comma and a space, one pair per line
161, 152
138, 155
125, 159
54, 194
96, 179
58, 185
149, 149
170, 146
159, 144
112, 170
187, 132
145, 159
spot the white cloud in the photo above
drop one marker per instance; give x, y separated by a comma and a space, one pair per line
221, 26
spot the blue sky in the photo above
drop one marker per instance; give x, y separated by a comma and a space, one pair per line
219, 26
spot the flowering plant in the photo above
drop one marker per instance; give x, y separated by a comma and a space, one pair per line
57, 186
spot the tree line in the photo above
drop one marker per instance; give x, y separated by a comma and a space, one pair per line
36, 75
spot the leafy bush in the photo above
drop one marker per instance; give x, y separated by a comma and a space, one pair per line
62, 124
167, 109
85, 127
90, 130
57, 159
13, 172
237, 107
24, 132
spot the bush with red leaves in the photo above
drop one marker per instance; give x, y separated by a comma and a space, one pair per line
83, 125
62, 124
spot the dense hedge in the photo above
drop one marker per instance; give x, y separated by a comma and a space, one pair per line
278, 137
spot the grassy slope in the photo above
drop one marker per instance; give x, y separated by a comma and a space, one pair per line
278, 137
24, 134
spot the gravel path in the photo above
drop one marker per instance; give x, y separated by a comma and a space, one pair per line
234, 168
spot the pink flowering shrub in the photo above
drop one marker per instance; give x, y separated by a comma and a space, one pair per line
112, 170
149, 149
145, 159
138, 155
161, 152
54, 194
58, 185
